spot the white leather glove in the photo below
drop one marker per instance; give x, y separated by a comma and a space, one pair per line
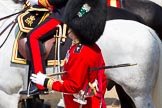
38, 78
33, 2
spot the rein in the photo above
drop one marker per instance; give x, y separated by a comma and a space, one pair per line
12, 23
8, 16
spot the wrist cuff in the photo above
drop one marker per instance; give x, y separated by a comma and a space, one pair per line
49, 84
45, 82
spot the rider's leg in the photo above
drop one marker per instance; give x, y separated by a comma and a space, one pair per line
35, 38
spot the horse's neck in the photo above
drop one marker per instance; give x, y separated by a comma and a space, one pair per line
144, 8
159, 2
131, 3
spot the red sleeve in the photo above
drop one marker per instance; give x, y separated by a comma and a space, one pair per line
77, 74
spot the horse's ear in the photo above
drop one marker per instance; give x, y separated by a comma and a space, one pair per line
89, 25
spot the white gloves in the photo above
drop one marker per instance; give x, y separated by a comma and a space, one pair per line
33, 2
39, 78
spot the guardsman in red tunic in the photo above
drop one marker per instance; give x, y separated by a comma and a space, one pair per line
71, 12
41, 33
81, 86
79, 59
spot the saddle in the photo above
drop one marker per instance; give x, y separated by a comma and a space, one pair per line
26, 22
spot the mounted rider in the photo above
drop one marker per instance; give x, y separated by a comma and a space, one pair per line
41, 33
81, 87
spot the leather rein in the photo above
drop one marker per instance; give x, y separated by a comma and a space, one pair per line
12, 23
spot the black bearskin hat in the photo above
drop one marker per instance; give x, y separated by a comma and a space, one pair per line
88, 26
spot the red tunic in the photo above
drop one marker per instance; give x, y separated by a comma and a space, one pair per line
78, 60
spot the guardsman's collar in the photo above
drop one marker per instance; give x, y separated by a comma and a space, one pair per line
78, 48
76, 41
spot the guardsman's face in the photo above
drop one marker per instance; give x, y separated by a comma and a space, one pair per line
71, 35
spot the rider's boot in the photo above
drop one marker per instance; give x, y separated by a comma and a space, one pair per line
33, 90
